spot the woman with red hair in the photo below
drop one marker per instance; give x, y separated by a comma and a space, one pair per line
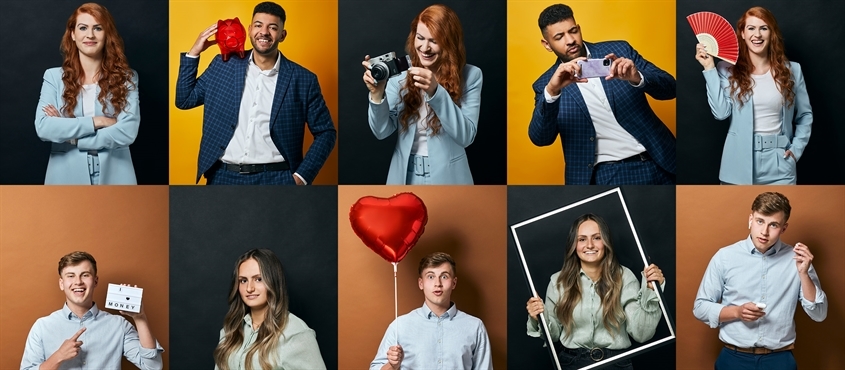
434, 105
89, 106
764, 94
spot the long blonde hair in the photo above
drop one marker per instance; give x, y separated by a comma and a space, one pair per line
275, 318
608, 287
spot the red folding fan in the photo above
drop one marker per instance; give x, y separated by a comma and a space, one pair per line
716, 33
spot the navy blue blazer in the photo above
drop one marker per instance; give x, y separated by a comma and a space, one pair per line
569, 117
297, 101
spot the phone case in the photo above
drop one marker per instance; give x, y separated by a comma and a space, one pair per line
592, 68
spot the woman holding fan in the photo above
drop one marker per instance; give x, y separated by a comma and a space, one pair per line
765, 95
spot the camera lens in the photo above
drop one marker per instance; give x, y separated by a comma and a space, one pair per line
379, 71
606, 62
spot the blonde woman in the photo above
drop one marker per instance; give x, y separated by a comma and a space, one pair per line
259, 333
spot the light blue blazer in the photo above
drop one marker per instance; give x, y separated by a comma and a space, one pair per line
738, 154
447, 157
68, 163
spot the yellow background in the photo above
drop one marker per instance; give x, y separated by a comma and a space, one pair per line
311, 42
649, 26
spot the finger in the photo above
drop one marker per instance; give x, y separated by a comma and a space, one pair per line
78, 333
611, 56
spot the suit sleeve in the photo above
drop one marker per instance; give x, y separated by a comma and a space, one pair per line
384, 118
803, 113
543, 128
58, 129
658, 83
718, 91
124, 131
460, 122
320, 125
190, 91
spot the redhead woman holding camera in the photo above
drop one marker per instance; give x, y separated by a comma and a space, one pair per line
434, 105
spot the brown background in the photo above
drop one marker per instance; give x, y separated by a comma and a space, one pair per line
124, 228
468, 222
712, 217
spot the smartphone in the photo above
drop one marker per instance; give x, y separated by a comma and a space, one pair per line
591, 68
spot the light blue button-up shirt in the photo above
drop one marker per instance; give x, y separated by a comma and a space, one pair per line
107, 337
454, 340
739, 274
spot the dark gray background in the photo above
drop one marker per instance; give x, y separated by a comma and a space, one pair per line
210, 227
652, 210
810, 30
377, 27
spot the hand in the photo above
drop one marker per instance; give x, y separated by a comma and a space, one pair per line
788, 153
203, 42
565, 75
535, 307
749, 312
376, 89
803, 258
395, 355
297, 180
103, 122
69, 348
701, 55
135, 316
623, 69
51, 111
653, 273
424, 79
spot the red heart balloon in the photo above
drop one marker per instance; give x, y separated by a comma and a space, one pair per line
389, 226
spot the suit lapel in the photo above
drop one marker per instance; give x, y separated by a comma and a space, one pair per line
282, 82
575, 92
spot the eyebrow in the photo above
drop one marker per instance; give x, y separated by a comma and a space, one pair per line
254, 276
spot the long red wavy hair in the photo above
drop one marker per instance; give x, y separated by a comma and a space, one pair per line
115, 74
445, 27
740, 78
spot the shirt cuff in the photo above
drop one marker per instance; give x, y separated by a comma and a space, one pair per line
192, 56
301, 178
370, 98
642, 81
549, 97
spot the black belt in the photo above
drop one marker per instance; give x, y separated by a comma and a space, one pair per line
642, 157
253, 168
595, 354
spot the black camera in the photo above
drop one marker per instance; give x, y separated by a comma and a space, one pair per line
388, 65
606, 63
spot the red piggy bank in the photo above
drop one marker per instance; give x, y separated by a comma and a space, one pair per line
230, 38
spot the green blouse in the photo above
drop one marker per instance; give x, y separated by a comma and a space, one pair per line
641, 306
297, 348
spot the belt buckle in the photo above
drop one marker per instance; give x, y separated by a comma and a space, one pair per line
241, 169
600, 354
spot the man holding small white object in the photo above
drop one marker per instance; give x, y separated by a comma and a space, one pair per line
80, 336
751, 288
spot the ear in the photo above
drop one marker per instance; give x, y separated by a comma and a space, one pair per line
750, 218
96, 281
546, 45
421, 283
454, 282
61, 286
282, 35
785, 225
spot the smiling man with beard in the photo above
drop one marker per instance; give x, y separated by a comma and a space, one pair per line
436, 335
80, 335
750, 289
609, 133
256, 109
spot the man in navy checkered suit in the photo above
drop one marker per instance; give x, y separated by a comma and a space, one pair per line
256, 109
608, 131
